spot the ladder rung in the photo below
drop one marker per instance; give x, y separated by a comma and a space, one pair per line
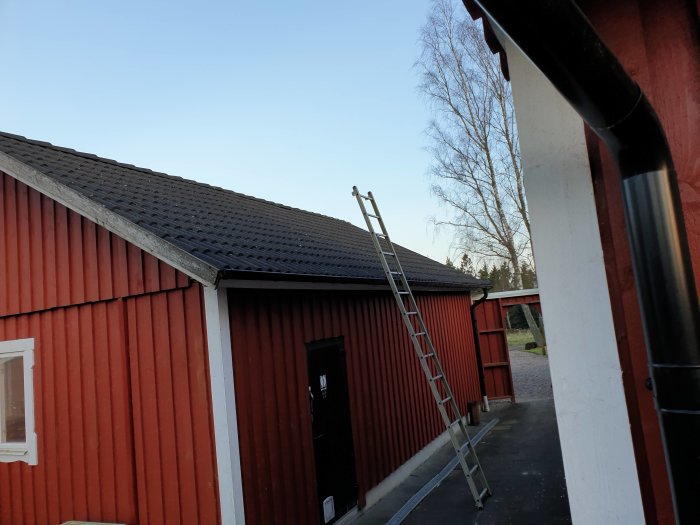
455, 422
433, 372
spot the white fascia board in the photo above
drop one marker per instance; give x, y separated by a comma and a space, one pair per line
115, 223
514, 293
223, 395
601, 473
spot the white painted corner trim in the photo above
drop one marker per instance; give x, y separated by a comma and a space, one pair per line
223, 395
596, 441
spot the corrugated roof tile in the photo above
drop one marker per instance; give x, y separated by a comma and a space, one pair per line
230, 231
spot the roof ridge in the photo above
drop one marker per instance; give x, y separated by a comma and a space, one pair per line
105, 160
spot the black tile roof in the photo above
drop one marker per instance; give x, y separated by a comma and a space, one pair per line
238, 235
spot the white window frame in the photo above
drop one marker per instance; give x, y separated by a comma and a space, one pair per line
27, 451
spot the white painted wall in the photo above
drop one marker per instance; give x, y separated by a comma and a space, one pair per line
223, 395
601, 473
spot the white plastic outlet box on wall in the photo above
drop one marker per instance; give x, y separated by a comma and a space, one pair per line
328, 509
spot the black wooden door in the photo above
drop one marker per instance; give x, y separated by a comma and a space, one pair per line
332, 431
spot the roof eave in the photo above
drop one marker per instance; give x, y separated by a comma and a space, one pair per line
242, 279
115, 223
182, 260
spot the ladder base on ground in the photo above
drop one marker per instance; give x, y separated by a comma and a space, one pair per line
425, 351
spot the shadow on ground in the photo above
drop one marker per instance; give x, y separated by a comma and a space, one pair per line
522, 460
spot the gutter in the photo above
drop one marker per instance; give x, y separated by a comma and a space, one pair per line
477, 347
239, 278
559, 40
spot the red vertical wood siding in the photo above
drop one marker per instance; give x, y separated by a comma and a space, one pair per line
393, 414
82, 411
494, 350
121, 382
659, 45
173, 428
51, 256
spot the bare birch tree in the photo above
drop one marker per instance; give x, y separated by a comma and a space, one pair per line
474, 140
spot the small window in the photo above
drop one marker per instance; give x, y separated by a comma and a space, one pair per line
17, 437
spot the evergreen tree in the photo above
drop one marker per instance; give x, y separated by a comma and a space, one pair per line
484, 272
501, 276
466, 265
507, 277
528, 276
495, 277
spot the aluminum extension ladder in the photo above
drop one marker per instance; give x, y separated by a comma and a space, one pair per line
425, 351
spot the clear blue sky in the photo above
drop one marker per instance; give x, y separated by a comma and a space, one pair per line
289, 101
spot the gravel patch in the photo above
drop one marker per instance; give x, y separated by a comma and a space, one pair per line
530, 376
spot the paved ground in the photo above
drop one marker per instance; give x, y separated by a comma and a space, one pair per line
522, 459
387, 507
530, 376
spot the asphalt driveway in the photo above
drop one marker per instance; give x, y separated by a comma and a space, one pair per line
522, 460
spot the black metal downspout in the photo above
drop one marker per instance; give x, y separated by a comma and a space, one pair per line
477, 346
560, 41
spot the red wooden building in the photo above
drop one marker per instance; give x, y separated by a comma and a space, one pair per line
598, 358
491, 314
175, 353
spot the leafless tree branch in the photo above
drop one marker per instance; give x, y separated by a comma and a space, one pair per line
474, 143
